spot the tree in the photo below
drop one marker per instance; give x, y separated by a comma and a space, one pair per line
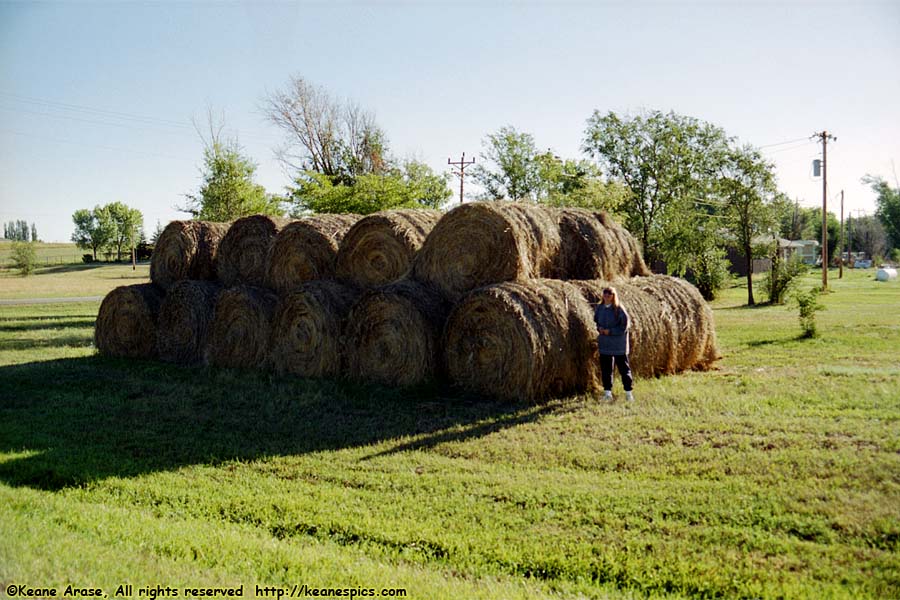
24, 257
867, 235
516, 171
413, 186
128, 223
887, 202
668, 163
326, 136
834, 230
34, 236
228, 191
93, 229
745, 184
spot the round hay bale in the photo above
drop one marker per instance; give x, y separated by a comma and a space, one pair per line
306, 250
306, 329
594, 246
525, 340
127, 321
244, 249
185, 317
379, 249
672, 326
481, 243
186, 250
393, 334
239, 333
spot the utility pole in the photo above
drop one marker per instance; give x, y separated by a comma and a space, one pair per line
841, 249
460, 172
824, 136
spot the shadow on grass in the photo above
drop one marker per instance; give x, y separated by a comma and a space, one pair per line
42, 323
86, 419
68, 268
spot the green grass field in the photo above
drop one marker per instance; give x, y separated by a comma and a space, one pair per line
775, 476
48, 254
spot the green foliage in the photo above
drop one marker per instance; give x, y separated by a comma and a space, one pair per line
128, 225
887, 201
808, 304
668, 162
515, 172
895, 255
24, 256
834, 230
710, 272
19, 231
413, 186
228, 191
94, 229
782, 277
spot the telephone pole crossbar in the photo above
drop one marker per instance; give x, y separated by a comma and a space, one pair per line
460, 171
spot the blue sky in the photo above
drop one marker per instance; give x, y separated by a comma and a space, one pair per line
96, 99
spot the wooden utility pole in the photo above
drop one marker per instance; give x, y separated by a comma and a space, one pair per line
460, 172
824, 136
841, 249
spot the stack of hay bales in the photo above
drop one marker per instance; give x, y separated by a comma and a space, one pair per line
497, 296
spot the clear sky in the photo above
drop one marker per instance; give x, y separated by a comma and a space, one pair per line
96, 99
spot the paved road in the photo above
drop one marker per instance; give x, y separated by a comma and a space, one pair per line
51, 300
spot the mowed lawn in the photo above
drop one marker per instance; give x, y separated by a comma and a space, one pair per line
776, 475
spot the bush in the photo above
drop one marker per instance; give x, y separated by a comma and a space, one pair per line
87, 258
24, 256
808, 303
895, 256
782, 277
710, 272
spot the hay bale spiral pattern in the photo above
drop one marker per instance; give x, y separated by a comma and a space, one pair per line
239, 333
185, 317
306, 250
596, 247
245, 248
379, 249
186, 250
393, 334
127, 321
307, 327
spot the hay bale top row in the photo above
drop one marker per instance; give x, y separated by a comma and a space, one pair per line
472, 245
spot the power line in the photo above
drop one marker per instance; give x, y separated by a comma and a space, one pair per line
785, 142
101, 147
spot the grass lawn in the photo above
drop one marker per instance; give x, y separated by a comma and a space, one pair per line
47, 253
777, 475
73, 280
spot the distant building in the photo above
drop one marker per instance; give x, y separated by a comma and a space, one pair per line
808, 250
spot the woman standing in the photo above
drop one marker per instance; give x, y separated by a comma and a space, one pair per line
612, 327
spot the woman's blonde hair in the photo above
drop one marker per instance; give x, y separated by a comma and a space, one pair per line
614, 293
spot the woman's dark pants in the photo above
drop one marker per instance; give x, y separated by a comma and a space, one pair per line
606, 370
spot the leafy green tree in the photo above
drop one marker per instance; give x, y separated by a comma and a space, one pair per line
666, 160
887, 201
413, 186
514, 170
577, 183
815, 230
94, 229
34, 236
228, 191
745, 184
24, 256
128, 225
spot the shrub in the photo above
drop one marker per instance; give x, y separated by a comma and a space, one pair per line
808, 303
24, 256
895, 256
710, 272
87, 258
782, 277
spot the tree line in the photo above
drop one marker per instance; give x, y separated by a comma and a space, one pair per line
19, 231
